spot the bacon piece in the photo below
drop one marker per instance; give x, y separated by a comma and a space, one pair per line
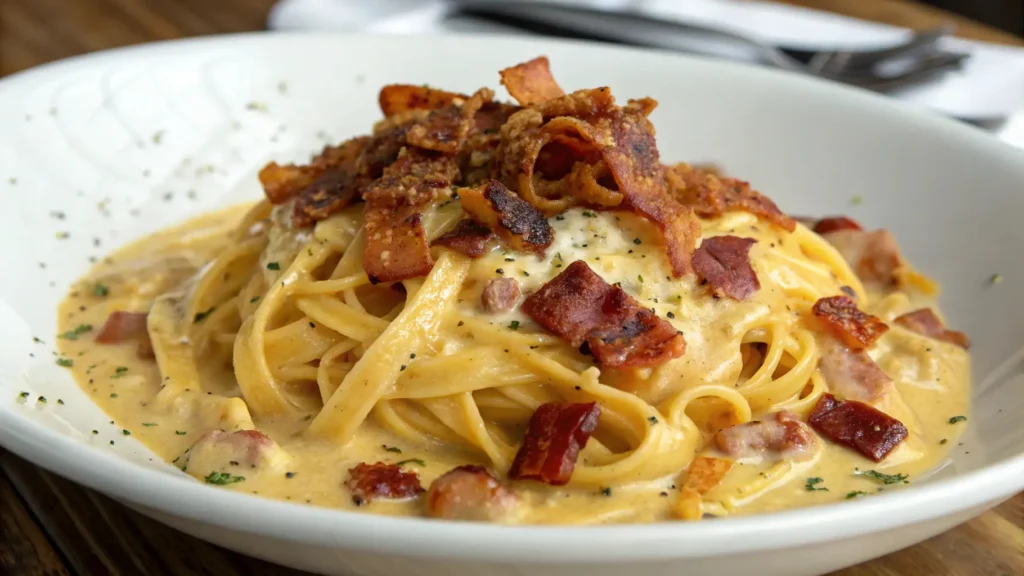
874, 256
711, 196
396, 244
723, 262
579, 306
500, 295
704, 473
445, 130
585, 104
852, 373
470, 493
329, 194
780, 436
370, 481
856, 425
833, 223
925, 322
468, 237
556, 434
531, 82
217, 450
853, 327
396, 98
281, 183
121, 326
517, 223
644, 105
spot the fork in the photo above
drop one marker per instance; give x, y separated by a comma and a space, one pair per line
920, 58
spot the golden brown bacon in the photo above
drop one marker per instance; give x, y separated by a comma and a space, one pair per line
855, 328
925, 322
281, 183
531, 82
579, 306
852, 374
396, 244
711, 196
446, 129
556, 434
724, 263
124, 326
519, 225
833, 223
704, 473
470, 493
781, 435
859, 426
468, 237
380, 480
397, 98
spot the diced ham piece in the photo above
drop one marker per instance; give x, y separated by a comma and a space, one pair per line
468, 237
371, 481
241, 450
833, 223
123, 326
874, 256
556, 434
859, 426
779, 436
514, 220
500, 295
470, 493
531, 82
845, 321
723, 262
579, 306
925, 322
852, 374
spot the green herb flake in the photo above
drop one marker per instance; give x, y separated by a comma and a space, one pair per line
415, 461
394, 449
653, 420
640, 278
854, 494
606, 491
23, 395
589, 214
113, 395
119, 372
514, 325
254, 299
956, 419
857, 200
943, 441
273, 266
41, 399
812, 485
126, 432
148, 424
180, 432
995, 279
60, 402
65, 362
221, 478
203, 315
100, 290
884, 478
78, 331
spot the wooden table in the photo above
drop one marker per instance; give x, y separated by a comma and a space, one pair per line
51, 526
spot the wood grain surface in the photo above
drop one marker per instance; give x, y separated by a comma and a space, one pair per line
51, 526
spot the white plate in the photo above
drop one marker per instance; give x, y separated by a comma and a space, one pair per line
126, 128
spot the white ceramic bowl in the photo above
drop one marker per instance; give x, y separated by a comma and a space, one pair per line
105, 138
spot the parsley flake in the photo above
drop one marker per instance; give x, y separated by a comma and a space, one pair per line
812, 485
394, 449
202, 315
100, 290
273, 266
65, 362
78, 331
956, 419
222, 478
514, 325
415, 461
854, 494
884, 478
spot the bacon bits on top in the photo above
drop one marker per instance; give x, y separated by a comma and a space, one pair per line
859, 426
398, 98
874, 256
370, 481
531, 82
470, 493
834, 223
723, 262
579, 306
925, 322
711, 196
124, 326
517, 223
468, 237
779, 436
852, 374
556, 434
853, 327
704, 473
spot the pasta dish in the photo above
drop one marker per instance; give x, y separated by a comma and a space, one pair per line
517, 313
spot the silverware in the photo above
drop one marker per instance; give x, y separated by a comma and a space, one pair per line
917, 60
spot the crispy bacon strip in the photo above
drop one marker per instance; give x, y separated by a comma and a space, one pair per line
470, 493
556, 434
723, 262
123, 326
925, 322
711, 196
704, 473
833, 223
852, 373
517, 223
397, 98
781, 435
859, 426
281, 183
874, 256
853, 327
468, 237
531, 82
380, 480
446, 129
396, 244
579, 306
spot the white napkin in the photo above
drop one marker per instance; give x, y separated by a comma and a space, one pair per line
990, 86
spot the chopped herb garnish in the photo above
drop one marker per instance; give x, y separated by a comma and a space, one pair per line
606, 491
884, 478
202, 315
223, 478
394, 449
589, 214
812, 485
273, 266
995, 279
23, 395
180, 432
854, 494
415, 461
254, 299
637, 241
956, 419
120, 371
60, 402
79, 330
289, 475
113, 395
652, 419
640, 278
402, 368
126, 432
500, 271
559, 217
95, 432
943, 441
65, 362
514, 325
857, 200
670, 315
148, 424
41, 399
